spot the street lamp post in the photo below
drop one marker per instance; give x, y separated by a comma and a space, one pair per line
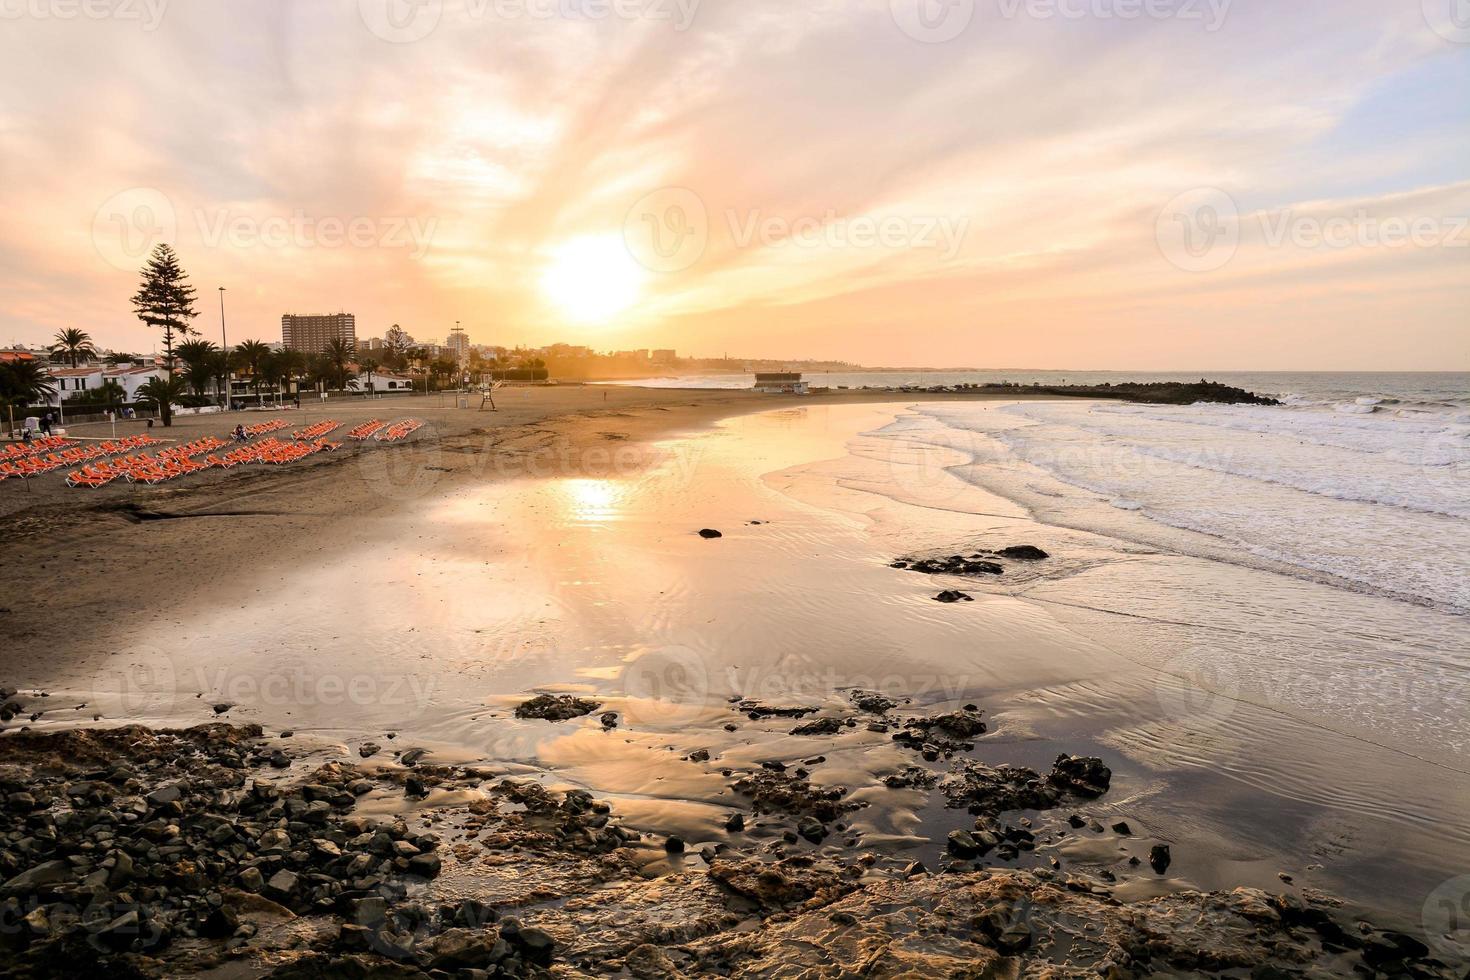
224, 348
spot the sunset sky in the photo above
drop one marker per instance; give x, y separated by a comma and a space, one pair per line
1207, 184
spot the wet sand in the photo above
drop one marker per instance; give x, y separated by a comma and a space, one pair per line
414, 597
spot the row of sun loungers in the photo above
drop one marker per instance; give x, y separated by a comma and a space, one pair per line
99, 468
316, 431
399, 431
20, 450
161, 469
261, 428
34, 464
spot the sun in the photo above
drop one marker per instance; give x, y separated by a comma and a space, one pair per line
592, 278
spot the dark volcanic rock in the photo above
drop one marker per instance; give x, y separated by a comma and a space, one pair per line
820, 726
872, 701
954, 565
556, 707
1023, 552
942, 734
949, 595
994, 789
1083, 775
771, 790
790, 882
755, 710
710, 533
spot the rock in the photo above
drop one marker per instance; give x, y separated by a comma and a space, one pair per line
252, 880
425, 865
165, 795
811, 828
1083, 775
949, 595
220, 923
1121, 827
674, 845
1023, 552
222, 707
369, 749
788, 882
648, 962
466, 949
535, 945
282, 884
609, 719
47, 873
1159, 858
735, 823
556, 707
819, 726
994, 789
872, 702
755, 710
699, 755
710, 533
962, 844
955, 565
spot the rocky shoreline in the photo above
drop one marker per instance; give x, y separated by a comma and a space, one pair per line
1153, 393
161, 853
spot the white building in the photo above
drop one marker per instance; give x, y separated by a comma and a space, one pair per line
71, 382
392, 382
132, 377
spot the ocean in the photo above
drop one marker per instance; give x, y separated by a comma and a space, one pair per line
1361, 479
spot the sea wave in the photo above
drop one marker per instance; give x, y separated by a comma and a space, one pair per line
1379, 503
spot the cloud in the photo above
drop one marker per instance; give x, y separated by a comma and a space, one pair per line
991, 199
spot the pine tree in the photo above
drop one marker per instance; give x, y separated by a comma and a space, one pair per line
165, 299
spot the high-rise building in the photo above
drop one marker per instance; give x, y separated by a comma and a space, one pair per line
311, 334
459, 343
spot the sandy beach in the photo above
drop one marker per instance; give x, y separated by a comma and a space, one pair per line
391, 609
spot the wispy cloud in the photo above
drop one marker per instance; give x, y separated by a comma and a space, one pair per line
832, 180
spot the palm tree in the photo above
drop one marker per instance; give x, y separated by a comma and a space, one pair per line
162, 392
251, 354
339, 354
442, 367
369, 366
289, 364
120, 357
198, 359
73, 345
24, 383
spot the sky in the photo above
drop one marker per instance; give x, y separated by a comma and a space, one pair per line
1145, 184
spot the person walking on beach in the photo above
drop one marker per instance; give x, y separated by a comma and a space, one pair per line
46, 424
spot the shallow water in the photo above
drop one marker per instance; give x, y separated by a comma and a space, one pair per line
1260, 720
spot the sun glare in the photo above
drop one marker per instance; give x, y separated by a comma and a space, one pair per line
593, 278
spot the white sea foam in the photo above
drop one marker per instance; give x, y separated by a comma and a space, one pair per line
1380, 500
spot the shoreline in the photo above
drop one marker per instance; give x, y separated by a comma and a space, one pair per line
581, 447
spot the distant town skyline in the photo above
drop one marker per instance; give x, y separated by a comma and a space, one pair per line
1236, 186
